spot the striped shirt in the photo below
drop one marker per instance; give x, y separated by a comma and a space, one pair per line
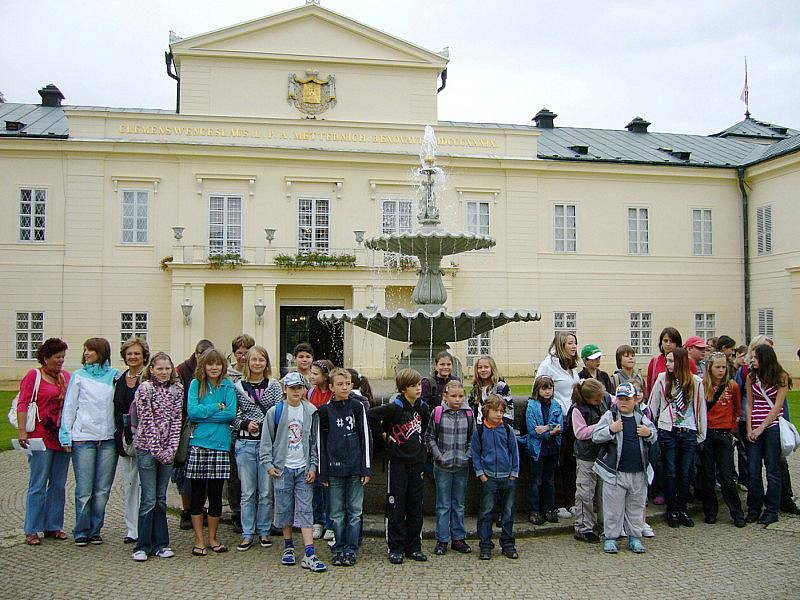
763, 401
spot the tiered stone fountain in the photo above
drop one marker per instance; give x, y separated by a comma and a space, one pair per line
430, 326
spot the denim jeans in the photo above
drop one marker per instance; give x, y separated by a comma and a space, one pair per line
256, 496
497, 493
766, 449
542, 484
346, 499
44, 510
451, 488
321, 508
154, 478
717, 462
293, 499
94, 464
677, 456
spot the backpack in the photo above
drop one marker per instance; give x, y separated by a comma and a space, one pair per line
278, 413
437, 419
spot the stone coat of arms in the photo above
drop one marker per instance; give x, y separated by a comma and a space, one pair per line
312, 94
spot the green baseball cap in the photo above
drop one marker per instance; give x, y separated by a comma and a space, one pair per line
591, 351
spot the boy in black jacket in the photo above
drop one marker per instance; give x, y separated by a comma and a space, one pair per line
345, 464
404, 421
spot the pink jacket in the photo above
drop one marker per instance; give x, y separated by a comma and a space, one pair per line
159, 408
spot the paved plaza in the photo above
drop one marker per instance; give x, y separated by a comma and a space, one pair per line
717, 561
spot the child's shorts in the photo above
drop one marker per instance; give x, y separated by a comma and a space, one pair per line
294, 499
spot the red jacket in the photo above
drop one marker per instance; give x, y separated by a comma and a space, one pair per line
50, 403
725, 413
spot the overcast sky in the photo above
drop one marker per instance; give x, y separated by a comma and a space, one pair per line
679, 64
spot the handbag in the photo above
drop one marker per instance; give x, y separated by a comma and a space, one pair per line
33, 408
790, 438
182, 453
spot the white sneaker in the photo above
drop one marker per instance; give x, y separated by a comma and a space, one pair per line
313, 564
140, 556
165, 553
647, 531
573, 510
328, 535
332, 541
563, 513
317, 531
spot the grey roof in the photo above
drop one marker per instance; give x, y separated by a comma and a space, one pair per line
40, 121
753, 128
558, 143
622, 146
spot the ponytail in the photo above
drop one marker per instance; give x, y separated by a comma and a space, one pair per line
587, 390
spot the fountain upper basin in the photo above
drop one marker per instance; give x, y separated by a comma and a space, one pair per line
427, 325
433, 241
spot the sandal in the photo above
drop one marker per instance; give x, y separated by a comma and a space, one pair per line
246, 544
55, 535
198, 551
219, 548
32, 539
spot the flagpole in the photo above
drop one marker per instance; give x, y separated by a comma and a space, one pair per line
745, 97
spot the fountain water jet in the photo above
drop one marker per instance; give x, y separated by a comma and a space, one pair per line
430, 326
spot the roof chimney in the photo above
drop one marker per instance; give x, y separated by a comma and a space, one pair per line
51, 95
544, 119
637, 125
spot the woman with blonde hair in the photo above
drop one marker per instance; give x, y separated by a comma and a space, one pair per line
257, 393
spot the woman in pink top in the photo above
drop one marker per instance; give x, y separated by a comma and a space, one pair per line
767, 386
45, 506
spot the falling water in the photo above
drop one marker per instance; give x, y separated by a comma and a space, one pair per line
364, 342
455, 330
430, 342
409, 341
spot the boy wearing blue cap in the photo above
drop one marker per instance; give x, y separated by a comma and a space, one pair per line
624, 467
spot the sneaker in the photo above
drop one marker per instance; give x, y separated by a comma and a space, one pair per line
586, 536
552, 516
165, 553
440, 549
288, 558
396, 558
739, 522
659, 500
563, 513
317, 531
685, 519
419, 556
331, 540
313, 564
129, 540
140, 556
511, 553
82, 541
186, 520
536, 518
96, 540
672, 520
709, 520
767, 520
610, 546
337, 560
647, 531
265, 541
329, 535
349, 560
461, 546
485, 555
573, 510
751, 518
635, 545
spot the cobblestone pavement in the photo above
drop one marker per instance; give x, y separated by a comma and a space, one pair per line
716, 561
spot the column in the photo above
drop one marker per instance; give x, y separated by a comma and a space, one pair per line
249, 309
197, 330
177, 330
268, 332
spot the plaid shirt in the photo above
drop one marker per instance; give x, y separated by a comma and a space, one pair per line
449, 441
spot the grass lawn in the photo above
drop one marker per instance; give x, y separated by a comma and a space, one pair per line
6, 430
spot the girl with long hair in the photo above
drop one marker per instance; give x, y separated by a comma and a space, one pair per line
677, 402
486, 380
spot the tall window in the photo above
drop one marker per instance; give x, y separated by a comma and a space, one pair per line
565, 321
32, 215
641, 324
30, 334
313, 225
396, 217
702, 237
135, 216
225, 224
477, 346
766, 322
764, 230
477, 217
132, 324
638, 231
564, 228
705, 325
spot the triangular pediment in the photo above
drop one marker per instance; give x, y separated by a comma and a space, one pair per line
309, 32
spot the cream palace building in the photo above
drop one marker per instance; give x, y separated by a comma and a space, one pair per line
298, 132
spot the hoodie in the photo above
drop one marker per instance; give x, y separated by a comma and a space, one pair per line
495, 452
345, 442
213, 429
405, 424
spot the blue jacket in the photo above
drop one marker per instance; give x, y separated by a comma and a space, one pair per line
213, 429
495, 452
534, 418
345, 443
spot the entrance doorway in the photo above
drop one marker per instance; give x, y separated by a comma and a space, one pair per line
300, 324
